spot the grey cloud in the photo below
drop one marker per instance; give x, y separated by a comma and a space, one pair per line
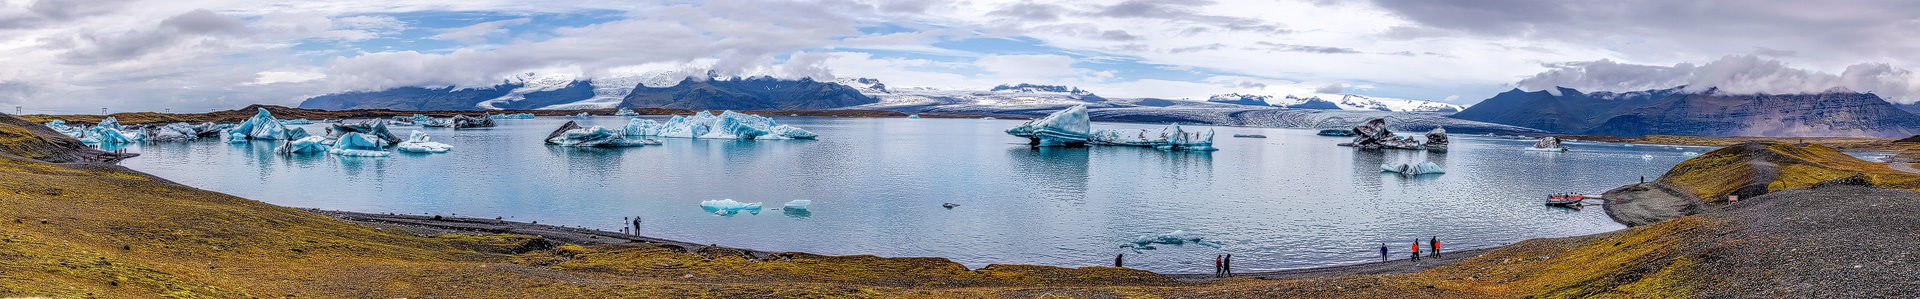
1272, 46
1117, 35
202, 21
1184, 11
1840, 31
1207, 47
1029, 11
1335, 88
1742, 74
43, 13
97, 47
1764, 51
1251, 84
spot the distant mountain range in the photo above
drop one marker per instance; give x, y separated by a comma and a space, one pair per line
758, 93
1346, 102
1836, 112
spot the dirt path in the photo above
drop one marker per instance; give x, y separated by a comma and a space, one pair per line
430, 225
1399, 264
1903, 166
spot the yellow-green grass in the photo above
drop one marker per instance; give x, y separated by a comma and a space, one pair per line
1768, 167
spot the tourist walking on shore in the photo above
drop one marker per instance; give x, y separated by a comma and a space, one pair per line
1383, 252
1435, 243
1226, 266
1416, 250
1116, 260
1216, 266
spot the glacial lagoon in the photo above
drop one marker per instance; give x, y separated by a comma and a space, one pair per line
1293, 200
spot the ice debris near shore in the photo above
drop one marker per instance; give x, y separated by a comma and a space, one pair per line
1374, 135
725, 207
1177, 237
1424, 167
417, 143
626, 112
183, 131
572, 135
1070, 128
109, 131
1168, 138
727, 125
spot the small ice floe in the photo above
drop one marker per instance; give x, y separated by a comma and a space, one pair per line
1177, 237
1689, 154
417, 143
728, 207
799, 204
1424, 167
913, 116
1646, 157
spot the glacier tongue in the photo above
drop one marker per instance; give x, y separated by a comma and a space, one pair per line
1070, 127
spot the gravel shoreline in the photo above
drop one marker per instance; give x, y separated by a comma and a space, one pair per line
1648, 203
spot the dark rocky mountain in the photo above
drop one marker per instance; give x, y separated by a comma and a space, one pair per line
1311, 103
756, 93
1710, 113
410, 98
577, 91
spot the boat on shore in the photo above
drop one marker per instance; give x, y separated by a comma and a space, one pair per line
1566, 200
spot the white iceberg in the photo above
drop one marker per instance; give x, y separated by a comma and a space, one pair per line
1424, 167
1548, 144
643, 127
626, 112
1168, 138
799, 204
417, 143
359, 145
728, 125
309, 144
571, 134
1070, 127
1689, 154
261, 126
729, 207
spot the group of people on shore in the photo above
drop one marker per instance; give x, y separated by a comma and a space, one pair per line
1434, 243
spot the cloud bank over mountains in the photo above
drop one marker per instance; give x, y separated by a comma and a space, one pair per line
1738, 74
74, 56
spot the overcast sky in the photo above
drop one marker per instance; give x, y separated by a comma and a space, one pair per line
73, 56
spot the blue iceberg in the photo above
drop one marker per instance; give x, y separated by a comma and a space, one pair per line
725, 207
626, 112
913, 116
727, 125
417, 143
1070, 127
302, 121
374, 127
643, 127
571, 134
1168, 138
309, 144
359, 145
512, 116
63, 128
582, 115
799, 204
261, 126
109, 131
1424, 167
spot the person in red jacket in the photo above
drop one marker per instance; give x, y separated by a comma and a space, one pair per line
1435, 243
1216, 266
1416, 250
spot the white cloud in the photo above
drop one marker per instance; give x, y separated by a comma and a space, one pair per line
270, 77
1740, 74
478, 33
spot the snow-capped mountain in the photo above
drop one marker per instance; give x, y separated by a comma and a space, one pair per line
1241, 99
1360, 102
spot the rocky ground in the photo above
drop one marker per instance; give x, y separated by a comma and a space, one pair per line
1838, 239
1648, 203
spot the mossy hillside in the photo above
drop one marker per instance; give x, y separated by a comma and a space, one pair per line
1752, 169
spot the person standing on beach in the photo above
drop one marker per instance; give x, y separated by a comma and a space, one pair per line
1116, 260
1216, 266
1383, 252
1416, 250
636, 225
1435, 243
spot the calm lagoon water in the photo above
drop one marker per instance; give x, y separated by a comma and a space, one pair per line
1294, 200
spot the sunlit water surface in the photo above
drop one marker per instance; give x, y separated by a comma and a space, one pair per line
1293, 200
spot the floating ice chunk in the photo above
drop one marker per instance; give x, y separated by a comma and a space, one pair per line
468, 122
727, 125
1424, 167
417, 143
1070, 127
987, 118
512, 116
1168, 138
1689, 154
626, 112
582, 115
1548, 144
373, 127
302, 121
359, 145
571, 134
1374, 135
70, 131
798, 204
1646, 157
261, 126
913, 116
309, 144
1177, 237
729, 207
643, 127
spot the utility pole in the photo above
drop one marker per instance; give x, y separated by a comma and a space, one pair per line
16, 110
103, 111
